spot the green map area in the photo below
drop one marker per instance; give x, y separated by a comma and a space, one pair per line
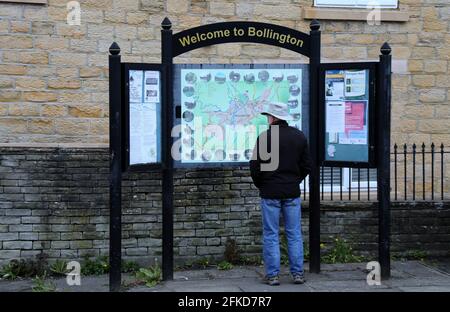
221, 109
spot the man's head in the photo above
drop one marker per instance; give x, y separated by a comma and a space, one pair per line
277, 111
271, 119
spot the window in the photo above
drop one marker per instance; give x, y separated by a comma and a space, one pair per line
385, 4
355, 10
346, 178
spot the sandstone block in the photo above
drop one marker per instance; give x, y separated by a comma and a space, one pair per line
40, 96
222, 8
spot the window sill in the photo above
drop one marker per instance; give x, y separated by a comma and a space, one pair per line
353, 14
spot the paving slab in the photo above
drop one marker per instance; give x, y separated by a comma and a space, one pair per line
425, 289
16, 286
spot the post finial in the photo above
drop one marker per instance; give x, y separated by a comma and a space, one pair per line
314, 25
114, 49
385, 49
166, 23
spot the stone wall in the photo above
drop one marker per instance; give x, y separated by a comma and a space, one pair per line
56, 200
53, 76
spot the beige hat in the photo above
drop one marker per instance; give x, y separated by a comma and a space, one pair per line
278, 110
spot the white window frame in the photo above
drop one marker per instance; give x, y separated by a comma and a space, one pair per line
354, 184
327, 188
383, 4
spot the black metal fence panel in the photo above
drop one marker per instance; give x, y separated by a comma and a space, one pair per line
418, 172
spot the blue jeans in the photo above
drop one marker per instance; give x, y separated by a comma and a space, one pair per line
291, 210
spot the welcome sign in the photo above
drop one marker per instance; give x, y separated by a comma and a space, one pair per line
202, 36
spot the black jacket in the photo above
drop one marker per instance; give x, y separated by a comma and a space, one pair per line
294, 163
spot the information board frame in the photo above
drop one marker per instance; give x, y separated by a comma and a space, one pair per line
126, 165
172, 46
371, 115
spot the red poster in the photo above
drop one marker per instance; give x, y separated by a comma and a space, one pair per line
354, 116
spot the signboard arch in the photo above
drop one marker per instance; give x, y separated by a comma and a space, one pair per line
227, 32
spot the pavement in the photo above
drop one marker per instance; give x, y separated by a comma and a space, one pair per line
408, 276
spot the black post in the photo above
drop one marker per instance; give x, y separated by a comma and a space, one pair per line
167, 172
395, 171
405, 157
432, 171
383, 170
314, 181
423, 170
115, 182
442, 171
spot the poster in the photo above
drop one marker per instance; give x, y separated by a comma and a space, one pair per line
136, 79
355, 123
151, 90
355, 83
334, 85
220, 114
143, 134
144, 89
335, 115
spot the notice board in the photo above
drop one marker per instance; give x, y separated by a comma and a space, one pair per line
142, 114
347, 114
219, 108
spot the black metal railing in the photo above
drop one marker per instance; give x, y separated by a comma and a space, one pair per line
428, 186
417, 173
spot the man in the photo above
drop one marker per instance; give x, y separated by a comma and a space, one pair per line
279, 188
